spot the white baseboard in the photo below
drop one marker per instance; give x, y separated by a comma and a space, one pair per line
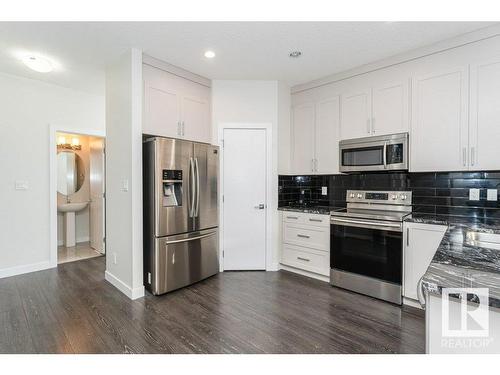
412, 303
25, 268
305, 273
132, 293
78, 240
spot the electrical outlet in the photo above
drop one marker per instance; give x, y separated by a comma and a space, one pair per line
474, 194
324, 190
492, 194
115, 261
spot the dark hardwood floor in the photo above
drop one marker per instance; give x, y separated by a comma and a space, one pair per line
74, 310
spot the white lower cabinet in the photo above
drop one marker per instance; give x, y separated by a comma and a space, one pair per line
420, 244
306, 242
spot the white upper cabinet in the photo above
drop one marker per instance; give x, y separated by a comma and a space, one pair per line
484, 125
303, 118
390, 108
439, 139
196, 119
161, 103
327, 136
356, 114
315, 136
175, 107
375, 111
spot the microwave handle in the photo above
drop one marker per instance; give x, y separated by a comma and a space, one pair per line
385, 155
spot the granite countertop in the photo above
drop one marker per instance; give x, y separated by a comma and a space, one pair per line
458, 263
321, 210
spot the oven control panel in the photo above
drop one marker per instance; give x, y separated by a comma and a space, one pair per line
384, 197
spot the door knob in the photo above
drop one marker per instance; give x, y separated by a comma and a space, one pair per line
260, 206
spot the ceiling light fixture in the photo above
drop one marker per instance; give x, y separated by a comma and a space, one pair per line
295, 54
209, 54
38, 63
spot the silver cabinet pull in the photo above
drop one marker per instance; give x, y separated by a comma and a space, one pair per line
373, 125
304, 259
368, 126
179, 128
292, 217
316, 220
407, 236
303, 236
173, 257
312, 165
464, 156
472, 155
182, 129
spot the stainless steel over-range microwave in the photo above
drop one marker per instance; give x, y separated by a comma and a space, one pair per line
380, 153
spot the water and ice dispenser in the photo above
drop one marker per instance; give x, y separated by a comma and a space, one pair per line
172, 187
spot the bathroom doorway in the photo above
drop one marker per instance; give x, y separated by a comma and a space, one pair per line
80, 185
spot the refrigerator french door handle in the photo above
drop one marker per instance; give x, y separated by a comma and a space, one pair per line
197, 209
191, 187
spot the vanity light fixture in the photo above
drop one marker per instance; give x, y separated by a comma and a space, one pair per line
63, 145
38, 63
209, 54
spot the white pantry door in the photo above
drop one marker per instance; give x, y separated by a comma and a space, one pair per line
244, 204
97, 194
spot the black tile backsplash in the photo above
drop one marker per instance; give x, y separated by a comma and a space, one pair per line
439, 193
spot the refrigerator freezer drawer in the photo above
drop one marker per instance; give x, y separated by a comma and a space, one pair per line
184, 259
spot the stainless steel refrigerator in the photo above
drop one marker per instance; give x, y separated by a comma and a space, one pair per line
180, 213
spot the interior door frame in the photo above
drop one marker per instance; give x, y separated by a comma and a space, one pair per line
267, 127
53, 130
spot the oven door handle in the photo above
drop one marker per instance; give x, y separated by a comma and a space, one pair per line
396, 227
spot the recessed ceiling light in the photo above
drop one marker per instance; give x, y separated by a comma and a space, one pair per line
38, 63
295, 54
209, 54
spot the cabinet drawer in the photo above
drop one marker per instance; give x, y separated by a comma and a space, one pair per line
306, 259
307, 235
305, 218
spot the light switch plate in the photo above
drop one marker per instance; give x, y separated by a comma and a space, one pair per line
21, 185
492, 194
474, 194
324, 190
124, 185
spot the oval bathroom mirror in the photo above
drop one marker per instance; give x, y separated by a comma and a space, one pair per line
70, 172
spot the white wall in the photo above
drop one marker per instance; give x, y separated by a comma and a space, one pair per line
254, 101
124, 166
27, 108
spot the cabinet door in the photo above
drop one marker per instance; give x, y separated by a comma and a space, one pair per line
485, 115
327, 136
390, 108
195, 105
161, 103
303, 117
420, 244
439, 136
196, 119
356, 115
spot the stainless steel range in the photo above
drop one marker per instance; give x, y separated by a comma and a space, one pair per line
366, 247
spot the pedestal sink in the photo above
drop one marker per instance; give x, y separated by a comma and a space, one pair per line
69, 210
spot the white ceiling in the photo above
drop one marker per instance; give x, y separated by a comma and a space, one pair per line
251, 50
